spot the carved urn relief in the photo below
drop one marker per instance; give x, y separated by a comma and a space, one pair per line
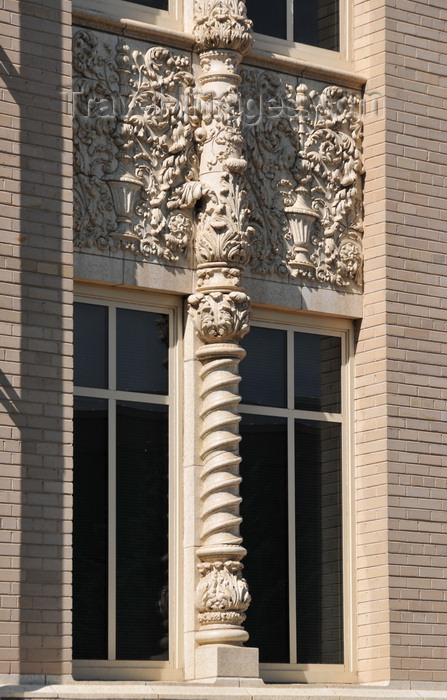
301, 219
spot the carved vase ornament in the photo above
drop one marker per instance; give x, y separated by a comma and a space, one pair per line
220, 309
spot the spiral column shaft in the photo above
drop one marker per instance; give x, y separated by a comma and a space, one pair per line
220, 450
220, 310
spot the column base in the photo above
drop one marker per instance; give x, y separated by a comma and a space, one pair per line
223, 664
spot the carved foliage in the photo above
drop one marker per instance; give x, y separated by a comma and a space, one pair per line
222, 24
136, 167
222, 593
304, 180
223, 234
220, 317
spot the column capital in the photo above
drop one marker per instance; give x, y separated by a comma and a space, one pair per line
222, 24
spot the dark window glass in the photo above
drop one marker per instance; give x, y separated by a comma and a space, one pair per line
142, 351
142, 531
90, 345
268, 18
158, 4
317, 372
264, 529
318, 504
264, 370
90, 529
317, 23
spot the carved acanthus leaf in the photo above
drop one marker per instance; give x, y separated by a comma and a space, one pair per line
223, 234
136, 165
222, 24
220, 317
222, 593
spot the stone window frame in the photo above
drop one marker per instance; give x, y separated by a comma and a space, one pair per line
121, 11
314, 55
171, 305
339, 327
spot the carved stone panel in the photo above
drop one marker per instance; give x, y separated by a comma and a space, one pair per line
304, 179
136, 166
148, 137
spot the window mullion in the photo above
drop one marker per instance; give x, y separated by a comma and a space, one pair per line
112, 489
292, 538
291, 494
290, 20
112, 532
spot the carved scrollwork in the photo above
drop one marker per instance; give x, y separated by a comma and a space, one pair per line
304, 180
222, 593
136, 164
222, 24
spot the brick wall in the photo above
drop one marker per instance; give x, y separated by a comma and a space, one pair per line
401, 351
35, 299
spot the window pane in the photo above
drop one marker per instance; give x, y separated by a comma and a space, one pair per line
90, 345
319, 579
142, 351
264, 370
268, 18
90, 529
317, 23
264, 529
158, 4
142, 531
317, 372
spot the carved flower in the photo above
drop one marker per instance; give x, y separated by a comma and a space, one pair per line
350, 260
179, 233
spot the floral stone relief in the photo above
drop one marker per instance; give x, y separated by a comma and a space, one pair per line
304, 179
139, 117
136, 166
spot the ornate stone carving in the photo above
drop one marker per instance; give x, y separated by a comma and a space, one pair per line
222, 595
220, 538
304, 180
220, 311
222, 24
141, 125
220, 317
223, 235
136, 165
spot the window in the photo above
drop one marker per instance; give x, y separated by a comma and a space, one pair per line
159, 4
304, 21
312, 31
294, 450
124, 369
166, 14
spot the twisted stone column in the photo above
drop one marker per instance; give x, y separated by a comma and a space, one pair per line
220, 310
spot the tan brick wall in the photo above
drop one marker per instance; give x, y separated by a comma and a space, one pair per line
400, 382
35, 299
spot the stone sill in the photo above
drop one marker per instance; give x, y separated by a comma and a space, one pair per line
185, 40
198, 691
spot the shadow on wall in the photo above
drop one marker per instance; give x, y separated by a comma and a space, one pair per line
34, 398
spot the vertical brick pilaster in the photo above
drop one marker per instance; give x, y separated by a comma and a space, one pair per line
36, 350
401, 447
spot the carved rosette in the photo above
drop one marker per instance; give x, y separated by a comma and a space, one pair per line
220, 310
